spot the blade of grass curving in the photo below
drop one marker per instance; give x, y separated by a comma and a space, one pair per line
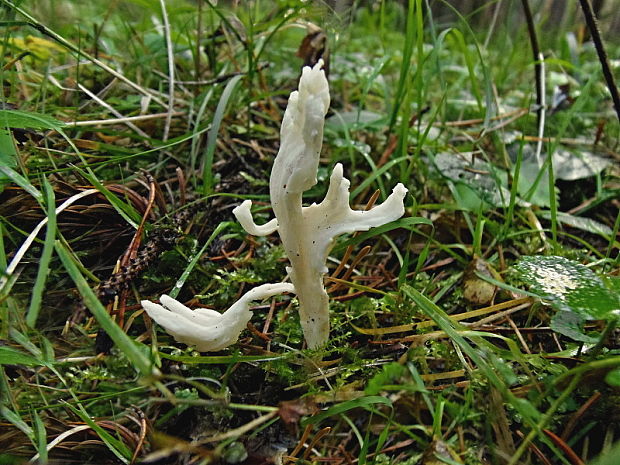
610, 247
7, 281
513, 192
170, 55
375, 176
478, 231
27, 119
368, 82
46, 256
288, 17
40, 436
553, 207
383, 436
8, 154
17, 421
406, 178
118, 448
402, 223
529, 413
362, 402
490, 105
181, 281
129, 347
470, 65
4, 307
171, 143
405, 65
362, 441
365, 155
22, 182
126, 210
207, 170
197, 132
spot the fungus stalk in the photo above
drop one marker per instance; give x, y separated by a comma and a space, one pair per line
308, 233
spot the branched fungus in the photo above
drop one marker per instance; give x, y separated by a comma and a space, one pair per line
209, 330
308, 233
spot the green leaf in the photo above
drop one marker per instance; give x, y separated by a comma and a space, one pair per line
585, 224
17, 421
8, 155
10, 356
177, 288
28, 120
363, 402
569, 286
570, 324
207, 173
40, 436
117, 447
530, 186
613, 378
389, 373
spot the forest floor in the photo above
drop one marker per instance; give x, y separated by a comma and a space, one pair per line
480, 328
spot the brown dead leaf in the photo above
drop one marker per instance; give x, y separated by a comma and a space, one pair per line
314, 47
291, 411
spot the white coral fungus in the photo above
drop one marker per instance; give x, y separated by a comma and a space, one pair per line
308, 233
209, 330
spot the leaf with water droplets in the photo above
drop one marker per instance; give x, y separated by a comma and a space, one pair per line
569, 286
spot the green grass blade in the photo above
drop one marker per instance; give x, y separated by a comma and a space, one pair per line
117, 447
207, 170
529, 413
40, 436
126, 210
22, 182
122, 340
17, 421
46, 256
406, 63
11, 356
402, 223
362, 402
181, 281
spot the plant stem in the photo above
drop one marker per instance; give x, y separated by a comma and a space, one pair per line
588, 13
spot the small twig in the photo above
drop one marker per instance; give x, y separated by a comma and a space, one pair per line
125, 119
570, 426
538, 71
568, 451
591, 21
